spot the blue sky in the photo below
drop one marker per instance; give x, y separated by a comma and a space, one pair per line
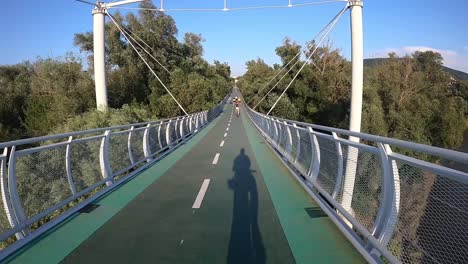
32, 28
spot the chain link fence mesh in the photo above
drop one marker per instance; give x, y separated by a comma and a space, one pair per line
433, 218
42, 180
84, 161
305, 149
137, 144
118, 152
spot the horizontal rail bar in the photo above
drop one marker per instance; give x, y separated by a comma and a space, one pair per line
436, 151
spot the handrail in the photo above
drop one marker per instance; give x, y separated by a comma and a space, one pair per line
42, 182
454, 155
388, 204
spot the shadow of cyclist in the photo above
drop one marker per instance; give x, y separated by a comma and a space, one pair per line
245, 245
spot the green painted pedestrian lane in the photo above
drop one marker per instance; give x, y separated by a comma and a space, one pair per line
222, 197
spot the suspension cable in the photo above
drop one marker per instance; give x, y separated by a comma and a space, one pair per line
226, 9
299, 53
147, 52
309, 57
147, 64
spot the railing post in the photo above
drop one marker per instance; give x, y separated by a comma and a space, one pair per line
68, 166
159, 134
267, 120
205, 115
387, 216
190, 123
5, 195
14, 196
106, 171
196, 121
298, 148
315, 160
289, 146
275, 137
175, 129
181, 129
280, 133
146, 145
168, 134
339, 173
129, 145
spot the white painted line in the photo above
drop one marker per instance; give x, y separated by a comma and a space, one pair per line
201, 194
225, 134
215, 160
222, 143
227, 129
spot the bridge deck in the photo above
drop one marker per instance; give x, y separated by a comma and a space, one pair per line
253, 211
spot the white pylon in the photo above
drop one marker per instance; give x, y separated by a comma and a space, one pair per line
357, 60
99, 15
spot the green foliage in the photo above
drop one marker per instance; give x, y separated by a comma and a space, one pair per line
411, 98
15, 86
56, 95
93, 119
320, 93
419, 101
59, 89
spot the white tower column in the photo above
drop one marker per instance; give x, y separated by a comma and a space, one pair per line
357, 60
99, 57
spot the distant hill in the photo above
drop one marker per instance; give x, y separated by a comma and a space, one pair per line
455, 73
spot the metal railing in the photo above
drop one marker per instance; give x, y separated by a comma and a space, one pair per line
391, 198
46, 179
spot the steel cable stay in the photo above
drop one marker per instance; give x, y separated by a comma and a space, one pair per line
309, 57
310, 46
226, 8
129, 33
276, 75
147, 64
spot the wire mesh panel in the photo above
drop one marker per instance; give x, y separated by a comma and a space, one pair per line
366, 191
173, 132
415, 210
84, 160
153, 139
283, 139
118, 152
433, 218
52, 174
41, 180
162, 135
176, 132
185, 128
137, 144
294, 146
305, 148
328, 172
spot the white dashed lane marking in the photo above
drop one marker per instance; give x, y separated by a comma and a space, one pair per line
201, 195
215, 160
222, 143
225, 134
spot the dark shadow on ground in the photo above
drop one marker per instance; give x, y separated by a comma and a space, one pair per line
245, 245
315, 212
